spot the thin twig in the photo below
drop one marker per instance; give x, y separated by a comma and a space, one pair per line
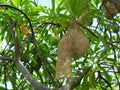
43, 62
11, 79
116, 77
6, 58
6, 46
52, 23
97, 36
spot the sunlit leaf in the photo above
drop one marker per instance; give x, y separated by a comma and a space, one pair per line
53, 5
107, 76
16, 2
75, 6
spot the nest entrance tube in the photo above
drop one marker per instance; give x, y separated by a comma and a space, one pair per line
63, 68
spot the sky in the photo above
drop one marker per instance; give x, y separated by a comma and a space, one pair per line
44, 2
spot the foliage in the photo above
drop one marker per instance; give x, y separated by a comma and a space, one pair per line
47, 25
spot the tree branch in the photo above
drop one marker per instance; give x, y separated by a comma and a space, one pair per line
17, 59
34, 83
6, 58
75, 81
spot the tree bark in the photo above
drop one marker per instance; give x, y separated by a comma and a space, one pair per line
34, 83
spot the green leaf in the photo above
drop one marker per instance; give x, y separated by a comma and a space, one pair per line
53, 5
68, 6
16, 2
91, 35
2, 88
101, 38
75, 7
107, 76
85, 84
54, 41
92, 79
44, 49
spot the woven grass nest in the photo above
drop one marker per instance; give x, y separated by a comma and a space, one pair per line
73, 44
111, 11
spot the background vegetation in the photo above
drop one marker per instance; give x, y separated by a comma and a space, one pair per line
34, 53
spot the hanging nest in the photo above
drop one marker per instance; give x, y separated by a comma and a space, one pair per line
111, 11
73, 44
